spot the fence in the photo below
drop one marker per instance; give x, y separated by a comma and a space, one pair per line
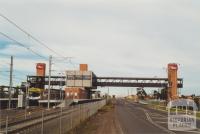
61, 121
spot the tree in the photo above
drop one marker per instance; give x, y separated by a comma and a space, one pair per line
163, 94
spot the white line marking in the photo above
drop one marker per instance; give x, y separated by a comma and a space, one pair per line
193, 132
151, 121
160, 122
159, 118
155, 114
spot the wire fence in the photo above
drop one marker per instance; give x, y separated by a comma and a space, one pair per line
60, 121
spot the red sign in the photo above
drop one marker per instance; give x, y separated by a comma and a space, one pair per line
172, 66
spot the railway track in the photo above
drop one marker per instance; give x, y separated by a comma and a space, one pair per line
20, 114
19, 123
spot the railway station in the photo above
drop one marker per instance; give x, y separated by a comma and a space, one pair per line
81, 85
99, 67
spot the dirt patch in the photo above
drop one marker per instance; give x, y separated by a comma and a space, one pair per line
104, 122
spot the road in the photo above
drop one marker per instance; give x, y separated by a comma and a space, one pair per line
135, 118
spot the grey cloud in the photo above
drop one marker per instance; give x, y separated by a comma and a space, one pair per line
136, 37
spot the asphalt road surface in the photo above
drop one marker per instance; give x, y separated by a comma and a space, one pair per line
135, 118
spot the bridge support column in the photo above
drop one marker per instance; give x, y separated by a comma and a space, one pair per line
172, 79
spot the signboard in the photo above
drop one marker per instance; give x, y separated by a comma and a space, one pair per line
182, 115
20, 101
79, 78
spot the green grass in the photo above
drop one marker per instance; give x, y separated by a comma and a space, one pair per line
198, 114
156, 105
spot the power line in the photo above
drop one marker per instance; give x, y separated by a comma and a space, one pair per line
18, 78
32, 37
14, 77
29, 35
22, 45
5, 62
4, 82
23, 73
2, 65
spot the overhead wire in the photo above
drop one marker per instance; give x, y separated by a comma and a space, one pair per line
14, 77
6, 63
34, 38
18, 78
4, 82
22, 45
30, 35
2, 65
20, 72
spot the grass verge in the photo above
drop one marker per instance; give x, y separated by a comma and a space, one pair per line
90, 125
163, 108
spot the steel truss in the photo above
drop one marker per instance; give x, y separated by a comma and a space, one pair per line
41, 81
134, 82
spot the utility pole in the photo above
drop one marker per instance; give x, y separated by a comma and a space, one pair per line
60, 88
42, 129
50, 63
108, 91
11, 82
128, 92
27, 99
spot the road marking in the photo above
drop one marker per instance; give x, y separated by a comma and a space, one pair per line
154, 114
151, 121
161, 122
162, 118
158, 115
163, 128
193, 132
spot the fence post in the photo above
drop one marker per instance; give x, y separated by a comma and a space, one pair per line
80, 113
6, 124
42, 129
199, 104
87, 111
83, 111
25, 113
61, 120
0, 117
71, 117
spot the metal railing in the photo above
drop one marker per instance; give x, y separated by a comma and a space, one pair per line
58, 121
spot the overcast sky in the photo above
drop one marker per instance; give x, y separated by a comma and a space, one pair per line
135, 38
